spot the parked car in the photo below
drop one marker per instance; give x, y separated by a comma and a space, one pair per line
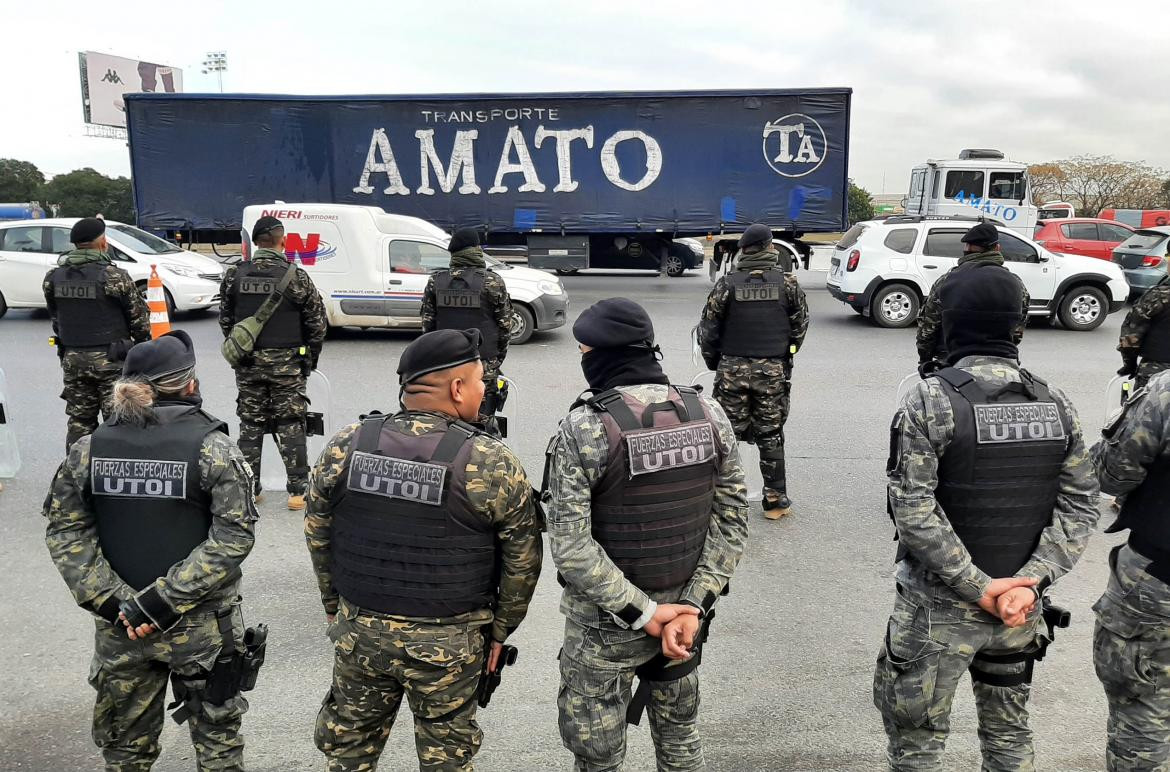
1088, 236
1143, 257
29, 248
885, 270
371, 267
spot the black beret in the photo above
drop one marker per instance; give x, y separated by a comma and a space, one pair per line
463, 238
165, 355
982, 235
756, 233
265, 224
614, 322
87, 229
438, 350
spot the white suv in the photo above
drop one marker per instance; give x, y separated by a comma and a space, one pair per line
29, 248
884, 269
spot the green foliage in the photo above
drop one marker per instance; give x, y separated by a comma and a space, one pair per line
860, 204
85, 193
20, 181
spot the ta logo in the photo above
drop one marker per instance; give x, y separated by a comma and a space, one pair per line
794, 145
111, 76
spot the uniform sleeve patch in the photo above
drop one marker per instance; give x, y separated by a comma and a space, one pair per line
1018, 422
656, 450
138, 478
394, 478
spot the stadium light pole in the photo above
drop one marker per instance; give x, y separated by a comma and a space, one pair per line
216, 62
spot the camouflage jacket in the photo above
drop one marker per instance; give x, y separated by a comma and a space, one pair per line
209, 573
301, 292
495, 294
118, 284
595, 587
930, 342
497, 488
711, 323
1135, 438
1150, 308
938, 563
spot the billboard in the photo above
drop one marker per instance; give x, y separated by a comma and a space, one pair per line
106, 79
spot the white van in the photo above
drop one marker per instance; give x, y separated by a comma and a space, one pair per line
371, 267
29, 248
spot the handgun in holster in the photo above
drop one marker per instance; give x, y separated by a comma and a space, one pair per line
233, 672
488, 681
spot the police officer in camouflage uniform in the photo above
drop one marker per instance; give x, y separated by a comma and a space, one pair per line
471, 295
97, 315
647, 519
149, 519
426, 545
1145, 333
271, 383
1131, 645
994, 498
754, 321
981, 250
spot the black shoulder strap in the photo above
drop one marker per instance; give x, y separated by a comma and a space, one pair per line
457, 434
692, 405
611, 402
370, 434
962, 382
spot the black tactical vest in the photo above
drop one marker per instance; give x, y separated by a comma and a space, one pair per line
252, 287
757, 323
1156, 342
86, 316
406, 540
460, 304
651, 509
151, 510
1000, 475
1144, 512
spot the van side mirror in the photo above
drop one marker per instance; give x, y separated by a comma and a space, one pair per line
1044, 257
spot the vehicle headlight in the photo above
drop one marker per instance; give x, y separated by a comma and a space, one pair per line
183, 270
551, 288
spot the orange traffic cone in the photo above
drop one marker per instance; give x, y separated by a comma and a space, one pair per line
156, 301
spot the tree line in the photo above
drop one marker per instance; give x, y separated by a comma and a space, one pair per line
79, 193
1095, 182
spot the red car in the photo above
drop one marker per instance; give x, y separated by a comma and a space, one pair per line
1088, 236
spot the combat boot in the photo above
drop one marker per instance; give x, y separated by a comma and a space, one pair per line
776, 504
296, 501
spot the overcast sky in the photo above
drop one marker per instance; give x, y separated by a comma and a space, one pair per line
1038, 80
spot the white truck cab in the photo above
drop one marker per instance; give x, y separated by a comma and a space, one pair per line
978, 182
371, 267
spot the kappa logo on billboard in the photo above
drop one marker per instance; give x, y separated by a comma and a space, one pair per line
309, 250
794, 145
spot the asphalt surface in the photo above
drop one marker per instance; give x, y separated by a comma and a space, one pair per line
787, 674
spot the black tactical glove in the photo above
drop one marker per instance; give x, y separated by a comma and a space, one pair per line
929, 366
1129, 368
135, 616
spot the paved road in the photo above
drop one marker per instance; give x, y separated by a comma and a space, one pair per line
787, 675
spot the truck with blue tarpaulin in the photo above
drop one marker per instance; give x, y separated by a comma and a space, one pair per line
571, 179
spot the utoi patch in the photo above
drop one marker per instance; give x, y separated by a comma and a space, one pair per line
754, 292
257, 286
1018, 422
655, 450
457, 298
395, 478
75, 290
138, 478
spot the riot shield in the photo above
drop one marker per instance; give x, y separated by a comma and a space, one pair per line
319, 428
9, 452
904, 387
1117, 391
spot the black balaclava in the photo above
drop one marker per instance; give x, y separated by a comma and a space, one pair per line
621, 336
981, 308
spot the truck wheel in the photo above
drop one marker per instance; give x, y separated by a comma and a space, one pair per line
674, 266
523, 325
894, 305
566, 271
1083, 308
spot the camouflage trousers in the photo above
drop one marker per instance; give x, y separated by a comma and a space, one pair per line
929, 645
272, 400
597, 673
131, 682
89, 377
378, 660
1131, 652
755, 395
1147, 370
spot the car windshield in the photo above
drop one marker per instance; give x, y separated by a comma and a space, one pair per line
1143, 240
142, 242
